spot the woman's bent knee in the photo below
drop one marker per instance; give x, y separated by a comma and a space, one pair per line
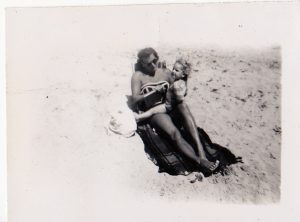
176, 135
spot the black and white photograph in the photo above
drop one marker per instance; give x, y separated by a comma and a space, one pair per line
163, 112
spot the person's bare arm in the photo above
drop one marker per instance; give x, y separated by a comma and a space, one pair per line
154, 110
136, 88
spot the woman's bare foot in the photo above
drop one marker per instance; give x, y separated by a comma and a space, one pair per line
209, 166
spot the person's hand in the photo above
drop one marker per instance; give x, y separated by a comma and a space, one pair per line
160, 89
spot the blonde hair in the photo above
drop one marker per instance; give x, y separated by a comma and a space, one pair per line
185, 65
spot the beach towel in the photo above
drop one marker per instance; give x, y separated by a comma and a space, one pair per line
168, 160
161, 152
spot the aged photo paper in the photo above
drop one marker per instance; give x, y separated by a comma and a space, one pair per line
69, 69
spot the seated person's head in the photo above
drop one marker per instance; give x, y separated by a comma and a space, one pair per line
181, 69
147, 60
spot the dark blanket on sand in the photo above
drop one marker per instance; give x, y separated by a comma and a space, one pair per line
163, 154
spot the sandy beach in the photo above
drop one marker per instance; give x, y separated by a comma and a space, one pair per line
234, 96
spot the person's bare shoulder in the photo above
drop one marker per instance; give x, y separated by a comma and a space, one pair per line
136, 75
136, 79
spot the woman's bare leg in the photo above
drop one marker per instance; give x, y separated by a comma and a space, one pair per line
163, 122
190, 126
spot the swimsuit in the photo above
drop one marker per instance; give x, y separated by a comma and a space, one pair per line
149, 87
154, 98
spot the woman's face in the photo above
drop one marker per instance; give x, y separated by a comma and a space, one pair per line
149, 64
177, 71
